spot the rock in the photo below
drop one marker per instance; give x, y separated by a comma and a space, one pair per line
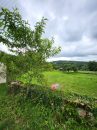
15, 87
82, 113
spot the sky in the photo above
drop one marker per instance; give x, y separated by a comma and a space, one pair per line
72, 23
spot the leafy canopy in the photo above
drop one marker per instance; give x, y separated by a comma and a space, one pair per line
30, 50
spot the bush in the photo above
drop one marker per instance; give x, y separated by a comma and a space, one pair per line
37, 107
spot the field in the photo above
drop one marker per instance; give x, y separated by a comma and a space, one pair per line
82, 83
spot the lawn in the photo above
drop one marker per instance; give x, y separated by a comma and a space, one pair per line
81, 83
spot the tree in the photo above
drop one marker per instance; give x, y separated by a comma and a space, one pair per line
29, 49
69, 67
74, 68
12, 64
92, 66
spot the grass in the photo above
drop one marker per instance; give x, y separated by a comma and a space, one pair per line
19, 113
81, 83
3, 90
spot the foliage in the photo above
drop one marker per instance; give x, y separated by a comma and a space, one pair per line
12, 67
70, 65
18, 112
29, 50
92, 65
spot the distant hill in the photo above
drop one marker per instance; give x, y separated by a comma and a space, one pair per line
65, 61
81, 65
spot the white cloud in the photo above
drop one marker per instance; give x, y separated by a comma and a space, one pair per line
3, 48
65, 18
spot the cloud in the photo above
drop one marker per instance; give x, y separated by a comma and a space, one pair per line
71, 22
3, 48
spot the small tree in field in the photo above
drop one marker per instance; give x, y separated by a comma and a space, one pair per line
74, 68
29, 49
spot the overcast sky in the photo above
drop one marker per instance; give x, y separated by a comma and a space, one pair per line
73, 24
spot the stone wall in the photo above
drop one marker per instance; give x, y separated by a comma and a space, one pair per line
2, 73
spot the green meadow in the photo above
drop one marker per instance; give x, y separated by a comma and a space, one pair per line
83, 83
80, 82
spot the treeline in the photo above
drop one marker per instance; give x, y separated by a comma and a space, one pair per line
74, 65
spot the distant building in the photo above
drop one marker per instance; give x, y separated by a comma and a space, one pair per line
60, 69
2, 73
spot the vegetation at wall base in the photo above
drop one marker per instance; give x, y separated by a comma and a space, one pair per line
43, 110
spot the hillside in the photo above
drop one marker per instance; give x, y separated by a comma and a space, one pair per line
81, 65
